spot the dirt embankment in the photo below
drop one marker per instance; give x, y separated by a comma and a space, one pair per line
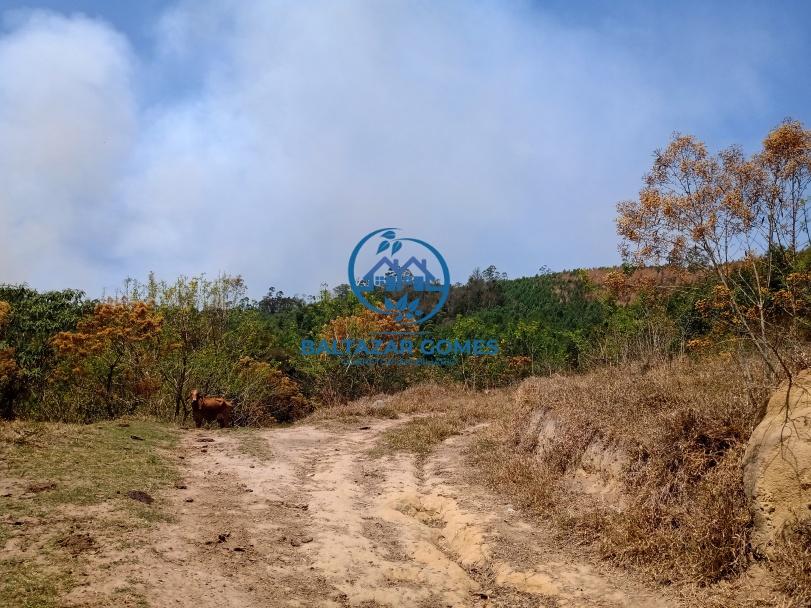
777, 464
313, 520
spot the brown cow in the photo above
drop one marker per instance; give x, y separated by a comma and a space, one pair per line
206, 409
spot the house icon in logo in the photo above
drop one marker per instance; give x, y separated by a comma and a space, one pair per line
414, 292
394, 277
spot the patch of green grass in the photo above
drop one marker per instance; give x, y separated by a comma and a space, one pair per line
86, 465
130, 596
89, 464
24, 586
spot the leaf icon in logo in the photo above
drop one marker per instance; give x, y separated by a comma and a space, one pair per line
396, 247
389, 234
383, 246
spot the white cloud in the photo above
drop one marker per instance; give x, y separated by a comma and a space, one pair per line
287, 130
67, 119
318, 122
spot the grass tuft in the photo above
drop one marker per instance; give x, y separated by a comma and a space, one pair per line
251, 443
419, 435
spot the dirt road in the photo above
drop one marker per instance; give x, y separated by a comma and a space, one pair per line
314, 520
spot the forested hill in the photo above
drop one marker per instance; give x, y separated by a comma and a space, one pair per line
64, 356
547, 322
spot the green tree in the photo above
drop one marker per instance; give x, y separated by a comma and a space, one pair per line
30, 324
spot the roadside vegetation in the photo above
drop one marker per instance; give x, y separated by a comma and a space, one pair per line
658, 455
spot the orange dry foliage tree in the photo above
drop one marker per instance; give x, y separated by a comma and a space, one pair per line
8, 365
110, 342
343, 378
367, 325
266, 394
745, 220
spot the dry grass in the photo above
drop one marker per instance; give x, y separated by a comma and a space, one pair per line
792, 564
419, 435
422, 398
683, 427
682, 518
439, 411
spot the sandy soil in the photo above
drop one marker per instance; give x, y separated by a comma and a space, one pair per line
322, 523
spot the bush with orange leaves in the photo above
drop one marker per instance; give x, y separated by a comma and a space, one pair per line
364, 326
265, 394
5, 313
8, 366
343, 381
105, 363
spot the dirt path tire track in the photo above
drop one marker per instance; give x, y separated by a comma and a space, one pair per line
321, 523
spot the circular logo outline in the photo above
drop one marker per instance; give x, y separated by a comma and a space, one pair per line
356, 289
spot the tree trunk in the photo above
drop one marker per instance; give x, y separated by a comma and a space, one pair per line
180, 385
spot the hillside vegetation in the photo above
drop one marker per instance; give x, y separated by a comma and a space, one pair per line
66, 357
717, 260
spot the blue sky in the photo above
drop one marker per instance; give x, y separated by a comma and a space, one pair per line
266, 137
